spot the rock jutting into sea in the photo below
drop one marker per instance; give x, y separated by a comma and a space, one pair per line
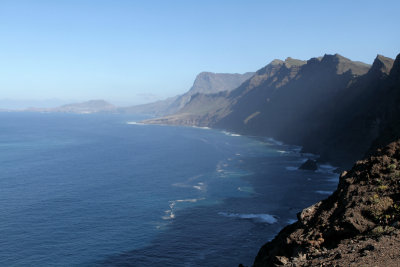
358, 225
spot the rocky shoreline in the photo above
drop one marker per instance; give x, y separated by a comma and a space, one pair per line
358, 225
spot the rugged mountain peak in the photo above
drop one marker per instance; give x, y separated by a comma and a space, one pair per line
289, 62
381, 65
276, 62
277, 72
342, 64
334, 58
271, 68
210, 82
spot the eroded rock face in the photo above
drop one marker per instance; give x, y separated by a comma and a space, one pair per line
366, 205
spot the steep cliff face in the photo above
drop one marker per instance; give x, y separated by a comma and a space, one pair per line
209, 83
205, 83
285, 100
389, 103
363, 112
332, 106
357, 225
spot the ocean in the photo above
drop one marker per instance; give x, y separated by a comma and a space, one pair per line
102, 190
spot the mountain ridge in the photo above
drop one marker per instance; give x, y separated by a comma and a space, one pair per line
297, 102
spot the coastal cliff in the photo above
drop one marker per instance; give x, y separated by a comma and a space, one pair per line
358, 225
344, 111
205, 83
330, 105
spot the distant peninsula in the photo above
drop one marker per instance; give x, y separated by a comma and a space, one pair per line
88, 107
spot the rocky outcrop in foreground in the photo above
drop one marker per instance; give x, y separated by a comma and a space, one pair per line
358, 225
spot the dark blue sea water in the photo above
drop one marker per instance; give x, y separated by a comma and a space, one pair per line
93, 190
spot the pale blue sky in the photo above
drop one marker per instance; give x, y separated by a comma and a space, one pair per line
135, 51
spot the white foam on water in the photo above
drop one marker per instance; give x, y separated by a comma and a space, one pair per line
203, 128
192, 200
170, 214
322, 192
291, 168
189, 182
200, 186
291, 221
220, 166
230, 134
275, 142
264, 218
134, 123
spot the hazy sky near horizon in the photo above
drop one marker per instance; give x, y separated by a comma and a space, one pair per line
132, 52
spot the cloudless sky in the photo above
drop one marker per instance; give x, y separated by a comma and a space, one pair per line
131, 52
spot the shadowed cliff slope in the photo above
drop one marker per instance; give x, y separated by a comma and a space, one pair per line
332, 106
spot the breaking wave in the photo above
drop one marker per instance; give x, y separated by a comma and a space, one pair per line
264, 218
135, 123
170, 213
230, 134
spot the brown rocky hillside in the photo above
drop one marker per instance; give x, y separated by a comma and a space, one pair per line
358, 225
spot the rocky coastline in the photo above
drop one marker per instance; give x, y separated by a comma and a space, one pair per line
347, 111
358, 225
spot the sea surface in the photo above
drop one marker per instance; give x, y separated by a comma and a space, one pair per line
103, 190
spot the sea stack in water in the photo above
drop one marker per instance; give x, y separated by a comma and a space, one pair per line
310, 165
